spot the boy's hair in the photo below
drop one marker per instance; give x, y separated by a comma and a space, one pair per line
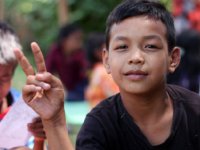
153, 10
94, 43
8, 42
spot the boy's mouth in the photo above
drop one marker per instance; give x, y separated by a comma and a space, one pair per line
136, 74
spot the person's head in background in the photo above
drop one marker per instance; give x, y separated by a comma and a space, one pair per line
140, 36
70, 38
8, 42
94, 46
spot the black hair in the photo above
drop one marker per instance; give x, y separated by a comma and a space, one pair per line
153, 10
66, 30
93, 44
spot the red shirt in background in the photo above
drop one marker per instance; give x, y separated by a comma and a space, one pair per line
194, 17
71, 69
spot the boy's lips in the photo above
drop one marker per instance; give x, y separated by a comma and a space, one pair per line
136, 74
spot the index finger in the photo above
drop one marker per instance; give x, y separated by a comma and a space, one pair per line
24, 63
38, 56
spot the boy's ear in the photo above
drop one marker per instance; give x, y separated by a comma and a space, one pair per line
175, 57
105, 57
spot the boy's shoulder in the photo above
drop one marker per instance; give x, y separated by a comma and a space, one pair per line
184, 96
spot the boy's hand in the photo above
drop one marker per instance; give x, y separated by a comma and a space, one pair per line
36, 128
43, 91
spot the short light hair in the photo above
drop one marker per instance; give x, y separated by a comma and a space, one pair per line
8, 42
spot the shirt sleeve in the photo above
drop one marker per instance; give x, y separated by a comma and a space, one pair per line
91, 135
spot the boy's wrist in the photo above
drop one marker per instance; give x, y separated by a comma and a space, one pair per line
57, 121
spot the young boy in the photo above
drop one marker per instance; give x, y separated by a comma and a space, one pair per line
146, 114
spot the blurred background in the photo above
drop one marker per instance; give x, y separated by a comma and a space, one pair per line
41, 21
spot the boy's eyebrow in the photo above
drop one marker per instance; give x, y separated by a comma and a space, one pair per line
148, 37
120, 38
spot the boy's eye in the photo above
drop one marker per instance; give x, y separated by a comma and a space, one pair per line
150, 46
121, 47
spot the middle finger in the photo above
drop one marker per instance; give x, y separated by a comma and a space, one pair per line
38, 56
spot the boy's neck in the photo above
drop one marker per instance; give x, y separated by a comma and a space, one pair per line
153, 113
146, 108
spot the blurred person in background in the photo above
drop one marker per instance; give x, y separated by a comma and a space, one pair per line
186, 15
194, 15
101, 84
180, 10
8, 95
188, 73
8, 63
187, 23
67, 59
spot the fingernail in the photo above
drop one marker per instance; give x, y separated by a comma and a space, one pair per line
46, 86
33, 43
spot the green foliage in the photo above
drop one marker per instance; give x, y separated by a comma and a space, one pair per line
38, 20
167, 3
92, 14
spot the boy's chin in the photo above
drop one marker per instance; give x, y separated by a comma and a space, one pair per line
135, 90
139, 89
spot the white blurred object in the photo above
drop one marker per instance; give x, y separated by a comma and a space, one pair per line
13, 128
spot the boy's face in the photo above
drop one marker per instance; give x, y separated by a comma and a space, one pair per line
138, 56
6, 72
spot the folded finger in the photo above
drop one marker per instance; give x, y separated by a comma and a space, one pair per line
31, 80
29, 92
49, 78
31, 88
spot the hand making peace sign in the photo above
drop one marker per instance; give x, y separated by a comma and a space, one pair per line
43, 91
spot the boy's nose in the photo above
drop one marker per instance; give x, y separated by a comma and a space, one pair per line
136, 57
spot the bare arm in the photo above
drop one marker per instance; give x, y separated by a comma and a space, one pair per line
44, 93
